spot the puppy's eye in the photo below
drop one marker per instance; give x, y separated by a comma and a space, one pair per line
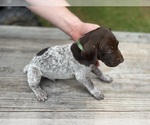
110, 49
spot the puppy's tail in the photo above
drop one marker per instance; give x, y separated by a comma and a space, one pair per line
25, 70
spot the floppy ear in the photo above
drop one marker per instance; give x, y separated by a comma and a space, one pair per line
89, 52
91, 41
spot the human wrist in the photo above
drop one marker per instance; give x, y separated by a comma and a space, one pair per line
80, 28
75, 30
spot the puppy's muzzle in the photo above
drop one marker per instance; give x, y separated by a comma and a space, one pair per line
115, 62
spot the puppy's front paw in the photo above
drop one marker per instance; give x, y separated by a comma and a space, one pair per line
106, 78
41, 95
97, 94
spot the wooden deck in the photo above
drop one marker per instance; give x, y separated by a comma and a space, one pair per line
127, 98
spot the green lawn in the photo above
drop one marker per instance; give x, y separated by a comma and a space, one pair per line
136, 19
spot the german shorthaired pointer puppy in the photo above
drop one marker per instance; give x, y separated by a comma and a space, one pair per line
75, 60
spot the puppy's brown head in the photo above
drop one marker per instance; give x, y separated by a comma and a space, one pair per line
100, 44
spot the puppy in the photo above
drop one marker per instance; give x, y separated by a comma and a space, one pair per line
75, 60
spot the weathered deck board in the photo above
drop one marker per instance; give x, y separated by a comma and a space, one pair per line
13, 3
74, 122
127, 98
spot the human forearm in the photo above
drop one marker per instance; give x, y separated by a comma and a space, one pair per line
60, 17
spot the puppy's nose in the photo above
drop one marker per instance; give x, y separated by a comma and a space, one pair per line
120, 60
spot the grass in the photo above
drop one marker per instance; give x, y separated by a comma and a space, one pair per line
134, 19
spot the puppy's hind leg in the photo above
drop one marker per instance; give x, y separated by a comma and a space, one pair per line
34, 78
100, 75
